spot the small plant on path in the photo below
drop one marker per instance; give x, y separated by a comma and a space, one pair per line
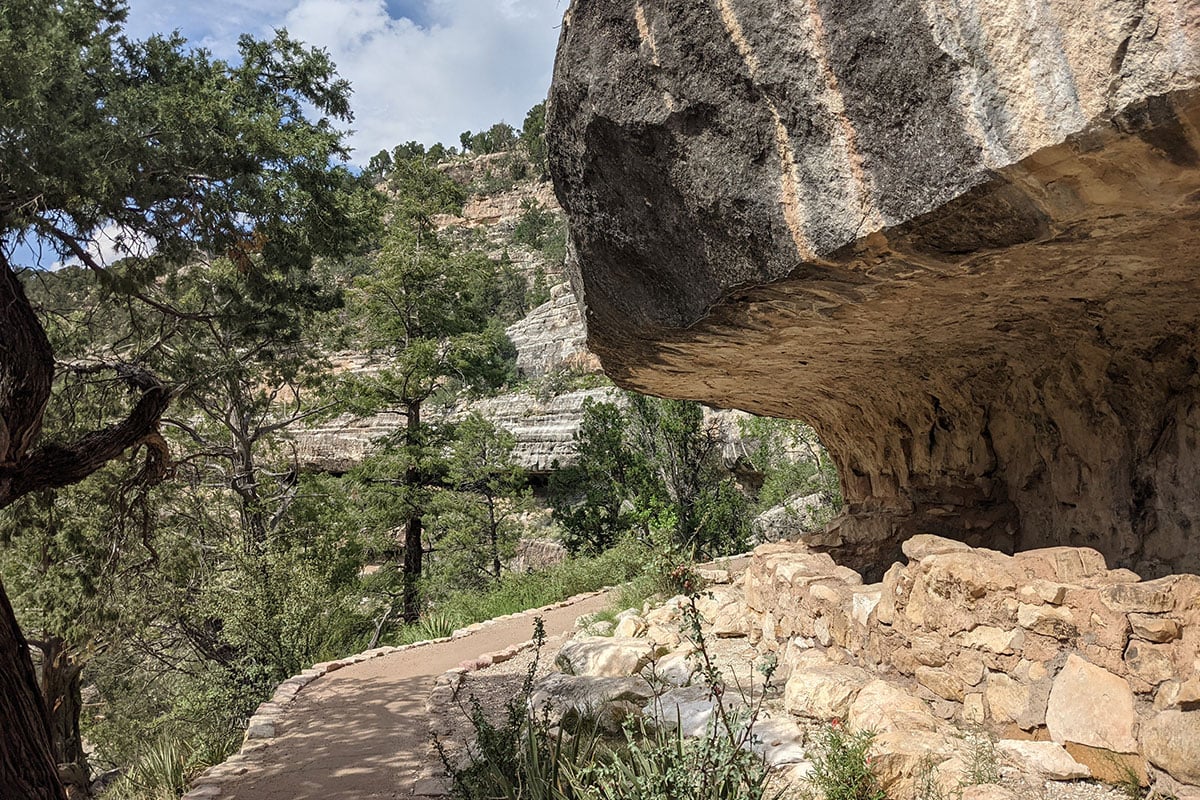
842, 764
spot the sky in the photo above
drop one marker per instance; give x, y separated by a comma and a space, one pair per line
422, 70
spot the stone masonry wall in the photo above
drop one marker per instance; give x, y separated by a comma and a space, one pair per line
1044, 644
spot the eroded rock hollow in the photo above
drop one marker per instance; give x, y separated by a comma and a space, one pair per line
961, 239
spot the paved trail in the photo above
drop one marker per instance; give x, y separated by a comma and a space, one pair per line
361, 732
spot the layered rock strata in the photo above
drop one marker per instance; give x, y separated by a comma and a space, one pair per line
552, 337
544, 429
961, 240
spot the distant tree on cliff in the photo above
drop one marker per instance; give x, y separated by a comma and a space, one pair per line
496, 139
429, 312
651, 468
533, 138
169, 156
477, 515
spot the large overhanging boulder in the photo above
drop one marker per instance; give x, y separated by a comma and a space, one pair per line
961, 239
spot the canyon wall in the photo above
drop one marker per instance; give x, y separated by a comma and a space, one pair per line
960, 239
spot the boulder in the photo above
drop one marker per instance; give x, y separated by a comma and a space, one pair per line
1090, 705
899, 758
824, 691
663, 636
677, 668
602, 656
1012, 701
924, 545
731, 622
884, 707
572, 700
630, 627
1154, 629
942, 683
780, 742
1152, 597
1047, 759
691, 710
1171, 741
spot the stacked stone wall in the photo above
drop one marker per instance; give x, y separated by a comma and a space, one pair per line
1044, 644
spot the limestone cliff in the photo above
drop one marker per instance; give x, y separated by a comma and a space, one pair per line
549, 338
960, 239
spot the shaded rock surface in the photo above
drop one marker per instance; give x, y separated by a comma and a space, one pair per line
960, 240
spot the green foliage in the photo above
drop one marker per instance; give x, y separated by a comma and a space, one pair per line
791, 460
653, 467
593, 500
475, 521
842, 764
520, 756
541, 230
533, 138
164, 144
516, 756
657, 764
430, 311
699, 509
519, 592
534, 225
419, 190
498, 138
159, 773
539, 290
982, 765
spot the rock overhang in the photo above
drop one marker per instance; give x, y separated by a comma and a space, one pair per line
964, 245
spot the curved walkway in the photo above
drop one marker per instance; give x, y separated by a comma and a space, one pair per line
362, 732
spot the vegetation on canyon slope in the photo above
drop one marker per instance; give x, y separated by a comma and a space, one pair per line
169, 562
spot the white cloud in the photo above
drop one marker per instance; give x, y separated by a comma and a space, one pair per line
108, 244
475, 63
466, 65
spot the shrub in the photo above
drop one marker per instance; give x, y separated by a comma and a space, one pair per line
517, 757
665, 765
159, 773
982, 765
522, 758
842, 766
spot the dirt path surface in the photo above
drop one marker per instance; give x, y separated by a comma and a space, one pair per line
362, 732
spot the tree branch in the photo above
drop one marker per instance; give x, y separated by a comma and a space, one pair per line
55, 465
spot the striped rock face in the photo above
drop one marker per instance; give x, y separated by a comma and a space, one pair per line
960, 238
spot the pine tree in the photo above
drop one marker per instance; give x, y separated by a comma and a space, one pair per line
174, 157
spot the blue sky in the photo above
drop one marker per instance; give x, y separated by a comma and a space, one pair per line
421, 69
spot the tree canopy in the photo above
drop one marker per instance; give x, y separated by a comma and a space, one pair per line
172, 159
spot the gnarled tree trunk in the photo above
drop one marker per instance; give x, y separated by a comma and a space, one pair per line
27, 768
61, 691
27, 763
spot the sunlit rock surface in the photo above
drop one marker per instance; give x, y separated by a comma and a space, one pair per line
960, 239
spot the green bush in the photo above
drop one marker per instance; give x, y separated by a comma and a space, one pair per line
657, 764
159, 773
842, 764
521, 757
517, 757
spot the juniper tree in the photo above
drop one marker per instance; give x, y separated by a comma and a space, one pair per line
172, 155
427, 312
